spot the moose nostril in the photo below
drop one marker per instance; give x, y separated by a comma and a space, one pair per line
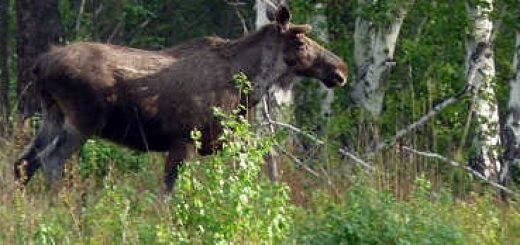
339, 77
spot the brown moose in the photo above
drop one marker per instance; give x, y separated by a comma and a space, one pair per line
151, 100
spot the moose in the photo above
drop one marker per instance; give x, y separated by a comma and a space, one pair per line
152, 100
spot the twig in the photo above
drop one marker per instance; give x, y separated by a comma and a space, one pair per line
240, 16
356, 159
296, 130
116, 30
298, 162
462, 166
78, 18
344, 152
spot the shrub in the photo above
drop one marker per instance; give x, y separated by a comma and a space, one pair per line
369, 216
225, 198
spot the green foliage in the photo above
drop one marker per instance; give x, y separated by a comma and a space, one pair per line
97, 156
369, 216
226, 198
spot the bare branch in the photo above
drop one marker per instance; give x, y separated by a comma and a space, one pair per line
462, 166
78, 18
423, 120
356, 159
115, 31
343, 152
298, 162
240, 16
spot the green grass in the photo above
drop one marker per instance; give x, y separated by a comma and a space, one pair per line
110, 195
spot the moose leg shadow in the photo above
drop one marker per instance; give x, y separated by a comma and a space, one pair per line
179, 152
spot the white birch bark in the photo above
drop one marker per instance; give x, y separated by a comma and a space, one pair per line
480, 55
512, 127
374, 46
271, 103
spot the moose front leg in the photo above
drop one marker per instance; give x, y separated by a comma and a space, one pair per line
179, 153
28, 162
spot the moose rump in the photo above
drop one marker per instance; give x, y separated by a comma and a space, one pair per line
151, 100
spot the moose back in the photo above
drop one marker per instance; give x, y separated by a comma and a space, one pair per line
151, 100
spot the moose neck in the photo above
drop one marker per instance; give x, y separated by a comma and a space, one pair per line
260, 56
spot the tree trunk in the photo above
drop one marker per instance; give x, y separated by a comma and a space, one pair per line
374, 51
4, 65
481, 75
512, 127
37, 29
272, 101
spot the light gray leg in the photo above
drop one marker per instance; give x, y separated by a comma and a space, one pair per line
61, 148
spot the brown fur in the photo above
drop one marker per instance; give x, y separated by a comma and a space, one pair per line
151, 100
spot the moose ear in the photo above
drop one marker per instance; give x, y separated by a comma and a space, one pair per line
283, 15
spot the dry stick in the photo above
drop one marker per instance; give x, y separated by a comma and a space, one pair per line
356, 159
463, 166
425, 154
115, 31
298, 162
344, 152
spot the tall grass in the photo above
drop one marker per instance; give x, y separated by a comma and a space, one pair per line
110, 195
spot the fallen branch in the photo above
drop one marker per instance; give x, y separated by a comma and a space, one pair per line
462, 166
298, 162
423, 120
356, 159
343, 152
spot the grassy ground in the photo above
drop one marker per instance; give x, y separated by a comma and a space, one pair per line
111, 196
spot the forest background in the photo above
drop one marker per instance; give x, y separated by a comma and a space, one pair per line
419, 148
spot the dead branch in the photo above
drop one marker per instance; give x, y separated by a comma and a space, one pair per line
423, 120
313, 138
462, 166
298, 161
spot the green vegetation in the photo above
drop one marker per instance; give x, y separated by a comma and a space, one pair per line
111, 195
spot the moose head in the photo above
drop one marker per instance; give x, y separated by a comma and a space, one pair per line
303, 56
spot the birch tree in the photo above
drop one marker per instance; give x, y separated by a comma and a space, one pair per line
512, 127
481, 73
375, 43
277, 96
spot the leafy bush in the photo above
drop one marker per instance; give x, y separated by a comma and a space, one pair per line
369, 216
225, 198
97, 156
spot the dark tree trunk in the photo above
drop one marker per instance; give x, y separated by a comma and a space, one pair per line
37, 29
4, 64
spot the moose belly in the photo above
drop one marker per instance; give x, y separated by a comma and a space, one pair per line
136, 132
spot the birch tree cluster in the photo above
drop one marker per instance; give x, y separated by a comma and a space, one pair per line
407, 57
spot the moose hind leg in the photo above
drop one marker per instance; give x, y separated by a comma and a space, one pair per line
62, 147
179, 152
28, 163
